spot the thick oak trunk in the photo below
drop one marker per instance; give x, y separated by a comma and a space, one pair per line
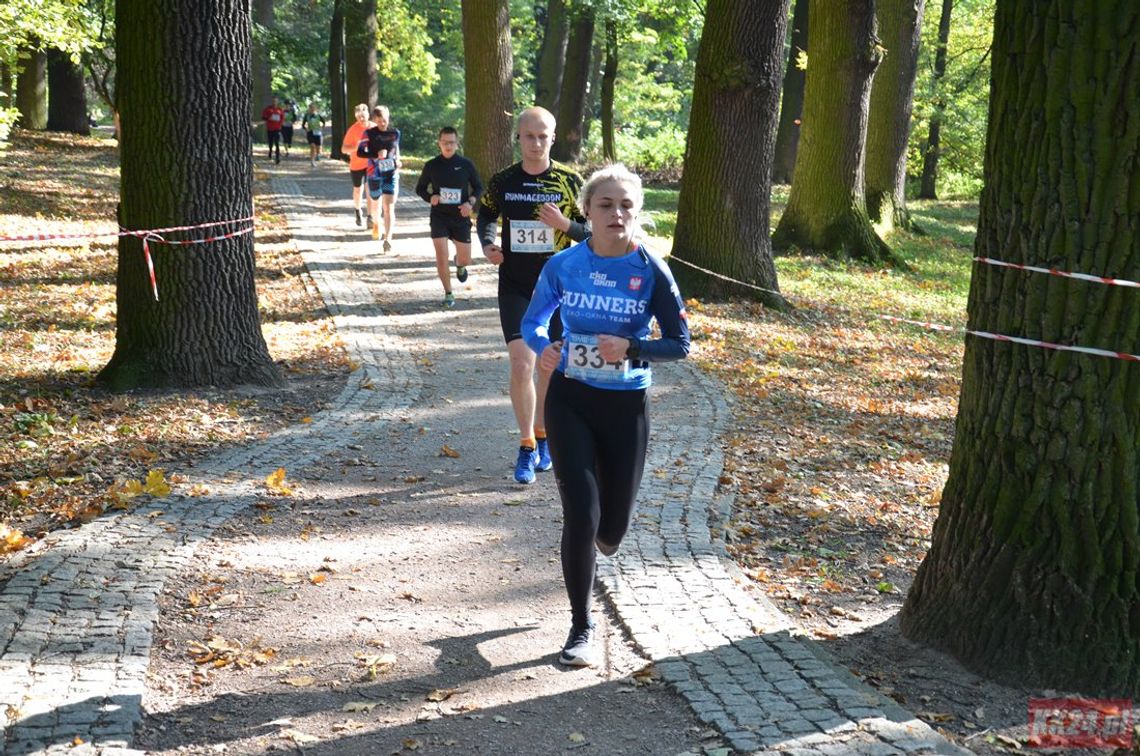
575, 82
892, 98
67, 97
792, 103
723, 209
338, 97
552, 56
931, 152
1032, 571
488, 84
179, 168
827, 212
31, 89
360, 73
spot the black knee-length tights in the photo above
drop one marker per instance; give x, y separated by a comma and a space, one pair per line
597, 441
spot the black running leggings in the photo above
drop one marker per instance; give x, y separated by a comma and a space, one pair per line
597, 442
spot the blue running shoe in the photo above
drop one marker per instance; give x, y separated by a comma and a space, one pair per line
543, 452
524, 468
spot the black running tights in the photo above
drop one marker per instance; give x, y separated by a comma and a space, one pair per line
597, 443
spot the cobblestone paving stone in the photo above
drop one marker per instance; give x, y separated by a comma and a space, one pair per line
76, 613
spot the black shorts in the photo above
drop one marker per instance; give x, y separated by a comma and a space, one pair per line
314, 137
274, 137
358, 176
512, 307
287, 133
454, 227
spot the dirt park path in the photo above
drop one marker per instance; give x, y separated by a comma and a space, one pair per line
397, 592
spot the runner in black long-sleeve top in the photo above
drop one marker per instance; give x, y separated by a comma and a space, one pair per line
450, 183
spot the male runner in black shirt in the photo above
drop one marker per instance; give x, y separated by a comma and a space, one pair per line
450, 183
537, 200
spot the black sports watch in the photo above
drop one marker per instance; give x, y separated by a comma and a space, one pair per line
634, 349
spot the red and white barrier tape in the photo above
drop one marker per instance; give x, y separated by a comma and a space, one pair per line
1019, 340
155, 237
1061, 273
120, 232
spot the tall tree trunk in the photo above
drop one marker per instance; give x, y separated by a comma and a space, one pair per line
360, 72
931, 152
723, 209
7, 86
575, 81
488, 84
591, 109
260, 70
552, 56
338, 97
892, 97
67, 97
792, 104
179, 168
31, 89
609, 77
1032, 571
826, 210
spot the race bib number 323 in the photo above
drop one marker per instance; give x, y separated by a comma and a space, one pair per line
531, 237
449, 196
585, 362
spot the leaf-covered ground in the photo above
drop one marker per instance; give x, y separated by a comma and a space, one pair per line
71, 451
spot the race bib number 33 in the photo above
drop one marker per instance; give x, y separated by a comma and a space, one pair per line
585, 362
531, 237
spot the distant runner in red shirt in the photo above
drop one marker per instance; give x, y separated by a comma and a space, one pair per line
274, 118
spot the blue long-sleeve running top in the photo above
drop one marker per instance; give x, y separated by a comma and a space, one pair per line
619, 296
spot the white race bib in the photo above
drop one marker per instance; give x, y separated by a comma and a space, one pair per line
449, 196
585, 362
531, 237
387, 164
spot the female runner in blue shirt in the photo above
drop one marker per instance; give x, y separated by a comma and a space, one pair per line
609, 289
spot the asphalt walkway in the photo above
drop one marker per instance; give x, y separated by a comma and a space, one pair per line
77, 616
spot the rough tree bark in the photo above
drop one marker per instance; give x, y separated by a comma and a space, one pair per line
360, 73
609, 77
31, 89
826, 210
892, 97
928, 188
591, 109
67, 97
1032, 572
338, 97
552, 56
260, 68
792, 103
575, 82
179, 168
488, 84
723, 209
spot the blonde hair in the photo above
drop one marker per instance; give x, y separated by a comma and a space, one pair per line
618, 173
382, 110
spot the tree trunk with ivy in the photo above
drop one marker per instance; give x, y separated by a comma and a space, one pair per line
360, 73
179, 168
31, 89
552, 56
488, 85
892, 98
792, 102
67, 96
826, 211
723, 208
1032, 571
575, 83
928, 188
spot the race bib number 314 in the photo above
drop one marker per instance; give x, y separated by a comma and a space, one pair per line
531, 237
585, 362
